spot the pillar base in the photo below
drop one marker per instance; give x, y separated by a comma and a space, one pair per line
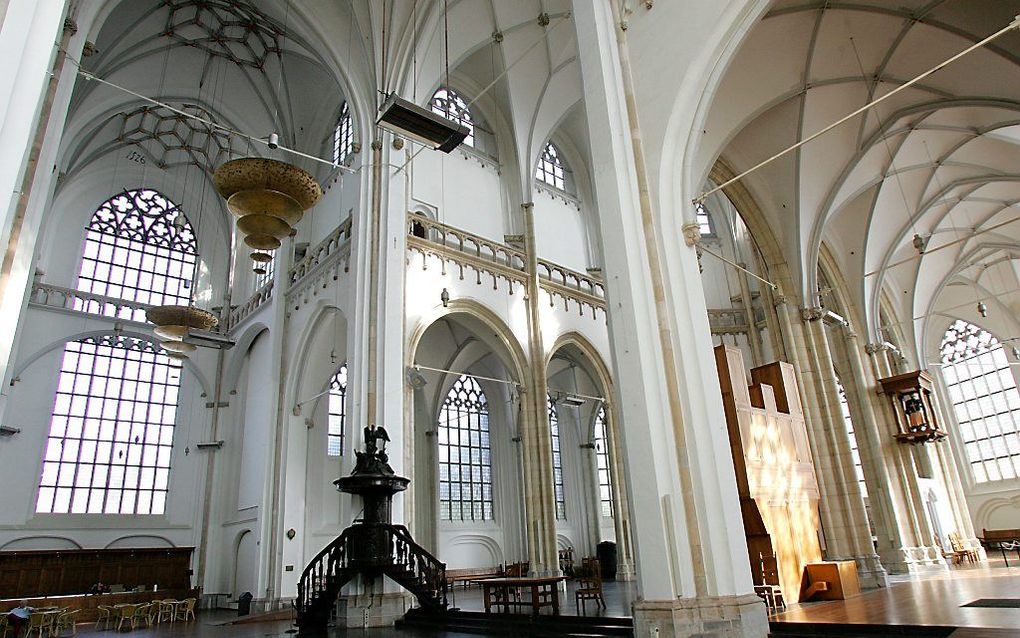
909, 560
372, 610
719, 617
870, 572
626, 572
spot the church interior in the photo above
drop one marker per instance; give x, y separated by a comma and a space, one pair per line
549, 317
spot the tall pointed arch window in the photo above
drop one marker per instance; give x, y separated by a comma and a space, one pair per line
261, 279
551, 169
986, 401
855, 451
112, 425
139, 246
602, 461
704, 220
452, 106
343, 135
465, 458
337, 412
554, 433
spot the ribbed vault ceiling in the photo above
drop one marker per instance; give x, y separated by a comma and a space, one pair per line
940, 159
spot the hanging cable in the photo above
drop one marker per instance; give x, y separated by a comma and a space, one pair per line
468, 374
489, 86
250, 138
1011, 26
885, 142
737, 266
929, 251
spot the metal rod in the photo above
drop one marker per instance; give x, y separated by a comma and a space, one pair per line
89, 76
739, 267
476, 376
938, 248
1012, 25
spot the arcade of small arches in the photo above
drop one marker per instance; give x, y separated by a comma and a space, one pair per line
532, 317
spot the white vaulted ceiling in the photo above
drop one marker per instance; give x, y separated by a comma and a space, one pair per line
940, 159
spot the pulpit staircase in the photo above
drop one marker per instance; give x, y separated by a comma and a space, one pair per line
357, 551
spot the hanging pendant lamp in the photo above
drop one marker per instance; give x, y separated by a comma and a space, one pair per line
173, 323
268, 197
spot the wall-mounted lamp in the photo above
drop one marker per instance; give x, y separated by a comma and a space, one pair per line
445, 298
982, 309
209, 445
6, 430
291, 533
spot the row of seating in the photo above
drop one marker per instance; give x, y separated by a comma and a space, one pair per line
145, 614
48, 623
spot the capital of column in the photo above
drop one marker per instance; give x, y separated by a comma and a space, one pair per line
692, 233
875, 348
814, 313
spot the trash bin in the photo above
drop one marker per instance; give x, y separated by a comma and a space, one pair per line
244, 604
606, 552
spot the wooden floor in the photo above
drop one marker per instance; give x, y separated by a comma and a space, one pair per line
933, 599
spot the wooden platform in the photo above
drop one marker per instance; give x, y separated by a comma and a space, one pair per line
925, 605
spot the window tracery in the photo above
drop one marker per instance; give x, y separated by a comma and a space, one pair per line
139, 246
337, 412
551, 169
985, 399
465, 461
452, 106
704, 220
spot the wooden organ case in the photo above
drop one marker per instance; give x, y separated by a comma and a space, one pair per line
772, 461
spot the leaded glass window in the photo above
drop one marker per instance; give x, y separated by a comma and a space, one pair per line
452, 106
337, 412
704, 220
111, 432
262, 279
985, 398
139, 246
554, 432
465, 458
855, 452
602, 461
343, 135
551, 169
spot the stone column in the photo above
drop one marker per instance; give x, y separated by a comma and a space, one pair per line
912, 517
539, 498
35, 91
753, 334
848, 536
625, 568
870, 442
692, 570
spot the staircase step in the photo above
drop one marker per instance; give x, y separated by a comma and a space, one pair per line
781, 629
520, 624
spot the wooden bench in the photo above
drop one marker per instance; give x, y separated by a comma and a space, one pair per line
1002, 540
465, 576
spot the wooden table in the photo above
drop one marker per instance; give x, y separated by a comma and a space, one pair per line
545, 592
